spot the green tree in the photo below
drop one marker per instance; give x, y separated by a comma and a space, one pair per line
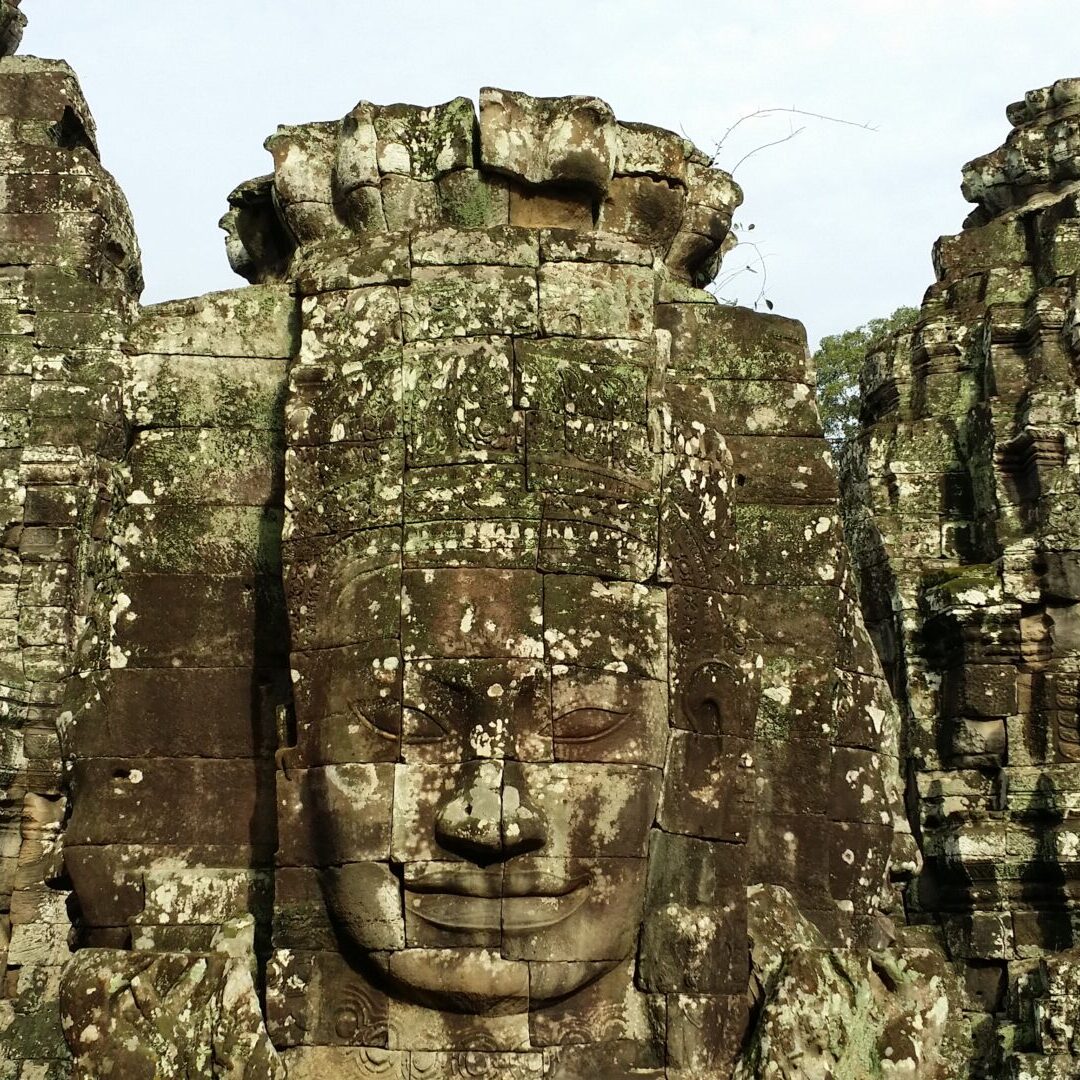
838, 361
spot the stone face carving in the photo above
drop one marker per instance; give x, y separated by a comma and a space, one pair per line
520, 804
478, 610
439, 658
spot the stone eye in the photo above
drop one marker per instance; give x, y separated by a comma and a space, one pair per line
384, 718
587, 724
419, 727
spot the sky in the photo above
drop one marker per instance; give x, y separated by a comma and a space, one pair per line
843, 215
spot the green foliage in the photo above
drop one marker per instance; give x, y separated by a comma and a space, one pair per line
838, 361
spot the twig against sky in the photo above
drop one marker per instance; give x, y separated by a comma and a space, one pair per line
759, 113
744, 269
765, 146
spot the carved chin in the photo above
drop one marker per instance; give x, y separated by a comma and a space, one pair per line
530, 913
480, 981
477, 981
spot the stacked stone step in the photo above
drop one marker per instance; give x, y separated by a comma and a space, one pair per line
69, 278
961, 496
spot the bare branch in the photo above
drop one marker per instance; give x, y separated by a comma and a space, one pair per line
765, 146
764, 268
761, 261
758, 113
864, 126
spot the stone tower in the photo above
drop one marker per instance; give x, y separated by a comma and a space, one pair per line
961, 495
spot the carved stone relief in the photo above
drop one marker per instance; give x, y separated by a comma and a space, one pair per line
439, 658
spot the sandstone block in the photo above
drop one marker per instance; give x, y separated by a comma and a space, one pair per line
699, 949
477, 301
599, 537
466, 612
238, 619
252, 322
348, 703
459, 403
501, 245
709, 790
210, 712
570, 140
470, 199
601, 300
650, 151
342, 591
143, 801
650, 211
626, 631
455, 710
357, 798
425, 142
608, 717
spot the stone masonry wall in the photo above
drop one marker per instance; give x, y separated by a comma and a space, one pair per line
68, 286
962, 516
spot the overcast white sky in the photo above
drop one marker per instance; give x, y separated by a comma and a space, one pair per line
184, 94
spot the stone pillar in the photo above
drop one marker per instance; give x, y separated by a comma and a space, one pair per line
69, 282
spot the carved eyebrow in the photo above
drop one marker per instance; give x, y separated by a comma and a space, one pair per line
453, 683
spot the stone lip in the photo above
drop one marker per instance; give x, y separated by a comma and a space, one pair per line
12, 25
570, 140
518, 901
532, 163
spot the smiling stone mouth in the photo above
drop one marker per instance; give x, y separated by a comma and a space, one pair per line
519, 901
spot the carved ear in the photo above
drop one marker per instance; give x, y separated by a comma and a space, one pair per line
720, 698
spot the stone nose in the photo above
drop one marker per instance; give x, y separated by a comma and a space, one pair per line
489, 818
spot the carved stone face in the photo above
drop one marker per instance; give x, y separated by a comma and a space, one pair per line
488, 536
499, 493
531, 736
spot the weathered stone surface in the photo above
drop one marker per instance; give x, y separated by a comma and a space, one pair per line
827, 1012
595, 301
643, 207
166, 1015
477, 300
12, 23
418, 658
253, 322
542, 140
964, 542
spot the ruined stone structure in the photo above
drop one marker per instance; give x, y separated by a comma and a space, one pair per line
439, 658
962, 513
